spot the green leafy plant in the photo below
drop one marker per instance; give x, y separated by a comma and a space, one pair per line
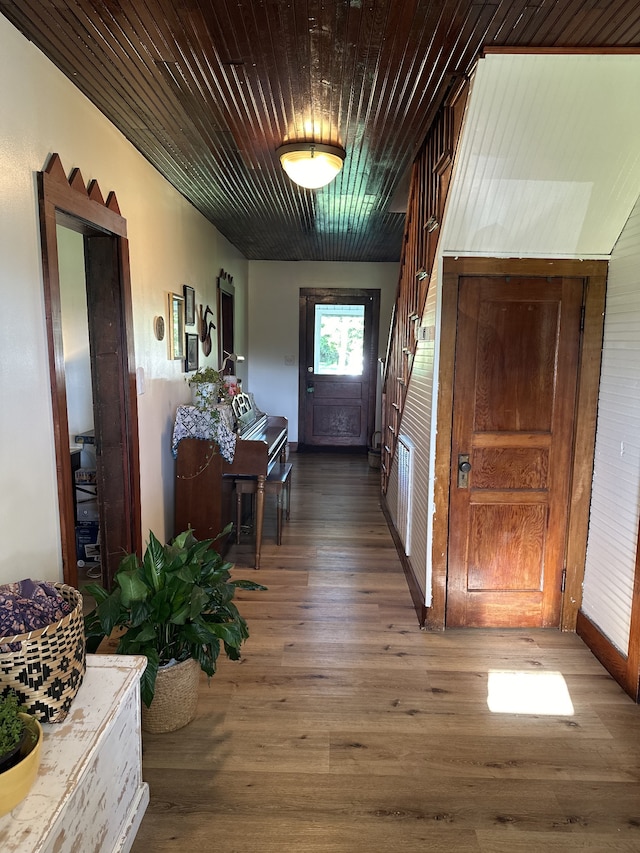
12, 725
209, 387
205, 374
175, 604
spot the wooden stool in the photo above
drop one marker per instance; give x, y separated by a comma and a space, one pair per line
277, 482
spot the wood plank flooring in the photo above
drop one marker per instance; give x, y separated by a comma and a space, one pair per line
345, 728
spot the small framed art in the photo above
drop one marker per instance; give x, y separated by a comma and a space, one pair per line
189, 305
191, 352
176, 326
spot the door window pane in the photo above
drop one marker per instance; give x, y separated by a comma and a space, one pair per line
339, 340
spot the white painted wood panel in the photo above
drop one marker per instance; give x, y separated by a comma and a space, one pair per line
549, 163
613, 527
89, 794
417, 426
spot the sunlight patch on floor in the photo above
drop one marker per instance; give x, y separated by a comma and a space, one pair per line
528, 693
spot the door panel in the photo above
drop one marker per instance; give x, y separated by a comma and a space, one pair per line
338, 354
514, 399
338, 410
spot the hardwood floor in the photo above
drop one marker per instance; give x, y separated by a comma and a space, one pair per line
345, 728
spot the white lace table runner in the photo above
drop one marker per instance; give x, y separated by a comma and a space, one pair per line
192, 422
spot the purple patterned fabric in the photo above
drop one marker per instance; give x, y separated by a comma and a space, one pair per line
28, 606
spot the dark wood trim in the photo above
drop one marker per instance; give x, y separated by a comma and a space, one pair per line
557, 268
442, 463
51, 282
633, 660
69, 203
417, 596
609, 656
77, 204
584, 444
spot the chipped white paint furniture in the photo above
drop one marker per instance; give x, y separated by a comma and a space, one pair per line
89, 794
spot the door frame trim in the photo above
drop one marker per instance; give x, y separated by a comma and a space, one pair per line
69, 202
594, 274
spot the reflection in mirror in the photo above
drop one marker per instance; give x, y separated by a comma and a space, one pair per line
226, 318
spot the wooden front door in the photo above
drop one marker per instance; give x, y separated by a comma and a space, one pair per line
516, 369
338, 357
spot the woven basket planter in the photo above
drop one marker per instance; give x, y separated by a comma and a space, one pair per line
175, 699
48, 667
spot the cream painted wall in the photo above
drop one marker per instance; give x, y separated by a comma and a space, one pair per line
170, 244
75, 330
274, 286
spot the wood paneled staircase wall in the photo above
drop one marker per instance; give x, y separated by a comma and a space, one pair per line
430, 179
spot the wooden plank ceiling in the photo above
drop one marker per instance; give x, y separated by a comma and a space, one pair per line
207, 90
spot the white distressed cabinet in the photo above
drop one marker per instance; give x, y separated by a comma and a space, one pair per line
89, 794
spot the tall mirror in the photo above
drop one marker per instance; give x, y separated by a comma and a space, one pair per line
225, 319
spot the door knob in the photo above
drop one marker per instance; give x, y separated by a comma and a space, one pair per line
464, 466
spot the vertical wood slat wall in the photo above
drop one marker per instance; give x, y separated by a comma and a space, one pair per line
427, 196
609, 619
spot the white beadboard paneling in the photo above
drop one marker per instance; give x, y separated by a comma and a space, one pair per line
549, 161
392, 494
416, 425
613, 526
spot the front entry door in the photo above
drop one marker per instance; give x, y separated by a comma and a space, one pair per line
338, 357
513, 423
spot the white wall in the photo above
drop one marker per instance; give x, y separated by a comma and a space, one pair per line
549, 163
75, 330
170, 244
274, 288
615, 500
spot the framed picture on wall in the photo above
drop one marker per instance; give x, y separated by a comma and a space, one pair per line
189, 305
191, 352
176, 326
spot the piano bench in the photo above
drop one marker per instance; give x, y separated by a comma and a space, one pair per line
278, 482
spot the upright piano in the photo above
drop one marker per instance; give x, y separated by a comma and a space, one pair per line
204, 478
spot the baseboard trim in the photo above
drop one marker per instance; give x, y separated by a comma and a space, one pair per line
611, 658
417, 596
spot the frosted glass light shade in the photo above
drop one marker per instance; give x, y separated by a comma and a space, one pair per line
311, 164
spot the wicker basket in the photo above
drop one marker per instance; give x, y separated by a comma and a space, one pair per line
175, 699
49, 666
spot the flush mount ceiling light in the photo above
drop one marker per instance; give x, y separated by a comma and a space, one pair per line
311, 164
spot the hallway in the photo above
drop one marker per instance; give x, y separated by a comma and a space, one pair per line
345, 728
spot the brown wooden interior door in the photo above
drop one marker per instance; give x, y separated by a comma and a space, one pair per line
513, 414
337, 401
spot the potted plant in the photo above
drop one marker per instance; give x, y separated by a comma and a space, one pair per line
208, 388
176, 608
20, 742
